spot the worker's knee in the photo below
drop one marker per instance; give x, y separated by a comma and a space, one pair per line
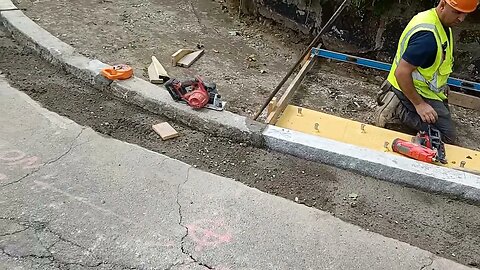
444, 123
447, 129
449, 135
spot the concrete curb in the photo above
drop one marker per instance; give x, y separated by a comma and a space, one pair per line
7, 5
156, 99
382, 166
53, 49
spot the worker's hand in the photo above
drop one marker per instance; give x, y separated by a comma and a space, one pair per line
427, 113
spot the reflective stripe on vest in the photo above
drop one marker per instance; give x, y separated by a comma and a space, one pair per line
431, 84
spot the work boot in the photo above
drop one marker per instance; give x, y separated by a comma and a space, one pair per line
387, 112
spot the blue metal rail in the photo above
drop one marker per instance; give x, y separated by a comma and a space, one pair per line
463, 84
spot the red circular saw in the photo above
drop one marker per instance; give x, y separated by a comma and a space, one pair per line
195, 93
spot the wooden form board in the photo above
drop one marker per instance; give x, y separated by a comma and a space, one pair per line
287, 96
464, 100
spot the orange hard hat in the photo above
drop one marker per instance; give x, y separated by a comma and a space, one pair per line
465, 6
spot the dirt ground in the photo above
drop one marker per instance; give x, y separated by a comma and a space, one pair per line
444, 226
237, 51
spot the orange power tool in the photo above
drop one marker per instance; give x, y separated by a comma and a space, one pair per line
415, 151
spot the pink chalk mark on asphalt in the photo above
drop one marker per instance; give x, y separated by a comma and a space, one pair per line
19, 158
208, 233
27, 163
15, 159
8, 157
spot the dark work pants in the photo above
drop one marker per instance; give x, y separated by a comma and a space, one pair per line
408, 116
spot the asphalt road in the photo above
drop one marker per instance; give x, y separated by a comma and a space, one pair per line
71, 198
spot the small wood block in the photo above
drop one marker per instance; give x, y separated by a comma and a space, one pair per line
464, 100
179, 55
165, 131
188, 59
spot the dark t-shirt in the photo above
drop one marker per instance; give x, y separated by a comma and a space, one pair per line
422, 49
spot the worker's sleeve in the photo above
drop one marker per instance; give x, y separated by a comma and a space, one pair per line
421, 50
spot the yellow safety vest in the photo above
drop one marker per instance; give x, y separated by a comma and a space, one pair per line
430, 82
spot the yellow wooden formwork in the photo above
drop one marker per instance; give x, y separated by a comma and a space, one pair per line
368, 136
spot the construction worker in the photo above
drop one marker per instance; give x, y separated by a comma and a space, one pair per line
417, 82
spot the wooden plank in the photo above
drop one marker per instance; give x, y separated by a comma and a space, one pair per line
156, 72
464, 100
287, 96
188, 59
179, 55
165, 131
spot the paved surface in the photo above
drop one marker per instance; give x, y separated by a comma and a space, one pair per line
73, 199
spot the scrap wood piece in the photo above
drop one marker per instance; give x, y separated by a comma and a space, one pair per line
165, 130
287, 96
179, 55
464, 100
190, 58
156, 72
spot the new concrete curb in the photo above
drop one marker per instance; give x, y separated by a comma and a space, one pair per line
384, 166
156, 99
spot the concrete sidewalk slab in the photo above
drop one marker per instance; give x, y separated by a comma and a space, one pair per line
106, 204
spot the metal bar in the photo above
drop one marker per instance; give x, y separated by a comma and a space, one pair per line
351, 59
314, 42
463, 84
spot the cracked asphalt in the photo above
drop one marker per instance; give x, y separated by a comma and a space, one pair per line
71, 198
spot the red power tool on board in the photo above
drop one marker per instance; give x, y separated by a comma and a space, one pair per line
427, 146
